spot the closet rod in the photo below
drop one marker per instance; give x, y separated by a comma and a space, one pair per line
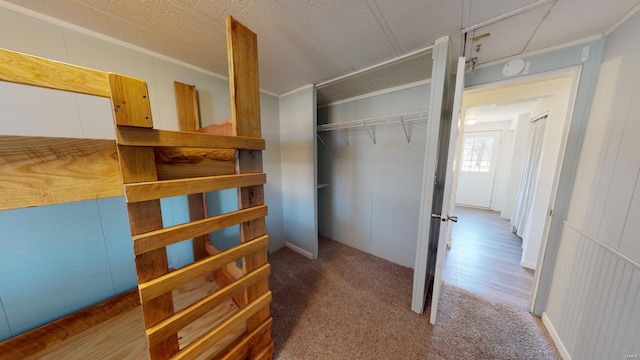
385, 120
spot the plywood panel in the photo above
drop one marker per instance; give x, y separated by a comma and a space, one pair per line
149, 137
41, 171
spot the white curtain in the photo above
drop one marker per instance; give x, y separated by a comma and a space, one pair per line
529, 176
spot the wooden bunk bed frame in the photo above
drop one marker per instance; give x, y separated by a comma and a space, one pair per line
144, 165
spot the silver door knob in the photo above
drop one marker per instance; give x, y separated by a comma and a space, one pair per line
452, 218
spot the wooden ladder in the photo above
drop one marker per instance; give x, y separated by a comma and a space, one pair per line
149, 174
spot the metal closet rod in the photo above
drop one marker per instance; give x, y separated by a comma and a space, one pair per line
367, 123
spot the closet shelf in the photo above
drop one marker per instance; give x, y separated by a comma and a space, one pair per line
368, 123
385, 120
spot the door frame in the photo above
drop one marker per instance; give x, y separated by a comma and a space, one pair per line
545, 264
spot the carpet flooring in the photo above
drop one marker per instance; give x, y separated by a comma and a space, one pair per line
353, 305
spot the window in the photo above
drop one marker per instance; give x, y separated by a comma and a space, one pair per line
476, 156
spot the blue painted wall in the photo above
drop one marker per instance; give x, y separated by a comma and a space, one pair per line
55, 260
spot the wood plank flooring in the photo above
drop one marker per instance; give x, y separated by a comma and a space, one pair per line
485, 259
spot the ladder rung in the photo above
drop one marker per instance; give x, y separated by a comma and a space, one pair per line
133, 136
186, 316
159, 238
200, 345
165, 283
152, 190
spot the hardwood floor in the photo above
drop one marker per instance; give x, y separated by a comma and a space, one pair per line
485, 259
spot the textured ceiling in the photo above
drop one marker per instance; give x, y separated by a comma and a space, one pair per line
310, 41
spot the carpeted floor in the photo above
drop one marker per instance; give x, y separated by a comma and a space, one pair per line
352, 305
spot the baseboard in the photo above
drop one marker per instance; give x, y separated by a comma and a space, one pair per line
555, 337
299, 250
528, 265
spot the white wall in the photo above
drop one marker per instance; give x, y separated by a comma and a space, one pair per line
593, 304
373, 199
298, 141
521, 137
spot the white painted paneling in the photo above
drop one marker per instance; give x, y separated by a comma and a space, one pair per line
373, 199
605, 196
594, 303
297, 135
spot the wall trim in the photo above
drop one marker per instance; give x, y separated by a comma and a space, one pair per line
607, 247
542, 51
109, 39
555, 337
296, 90
622, 20
299, 250
528, 264
378, 92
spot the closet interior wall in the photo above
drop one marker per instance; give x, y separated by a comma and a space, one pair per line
372, 200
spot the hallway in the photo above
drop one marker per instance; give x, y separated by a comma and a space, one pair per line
485, 259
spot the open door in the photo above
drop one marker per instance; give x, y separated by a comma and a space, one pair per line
436, 192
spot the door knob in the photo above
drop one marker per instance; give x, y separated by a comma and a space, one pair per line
452, 218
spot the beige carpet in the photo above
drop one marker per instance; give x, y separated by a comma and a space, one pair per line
352, 305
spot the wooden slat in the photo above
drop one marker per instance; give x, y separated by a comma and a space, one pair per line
178, 321
242, 54
167, 236
266, 353
160, 189
197, 347
187, 106
32, 70
179, 163
43, 170
227, 274
240, 350
138, 164
130, 101
189, 120
151, 137
224, 127
46, 336
152, 288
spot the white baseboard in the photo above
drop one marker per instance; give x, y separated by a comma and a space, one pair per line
299, 250
555, 337
528, 265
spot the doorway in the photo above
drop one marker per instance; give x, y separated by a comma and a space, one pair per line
484, 255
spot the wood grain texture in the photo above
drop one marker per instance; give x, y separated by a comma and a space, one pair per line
144, 191
177, 163
240, 349
158, 286
138, 164
186, 316
242, 55
46, 336
266, 353
186, 106
152, 137
227, 274
130, 101
200, 345
39, 171
171, 235
32, 70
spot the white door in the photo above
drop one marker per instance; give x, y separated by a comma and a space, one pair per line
478, 164
436, 192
